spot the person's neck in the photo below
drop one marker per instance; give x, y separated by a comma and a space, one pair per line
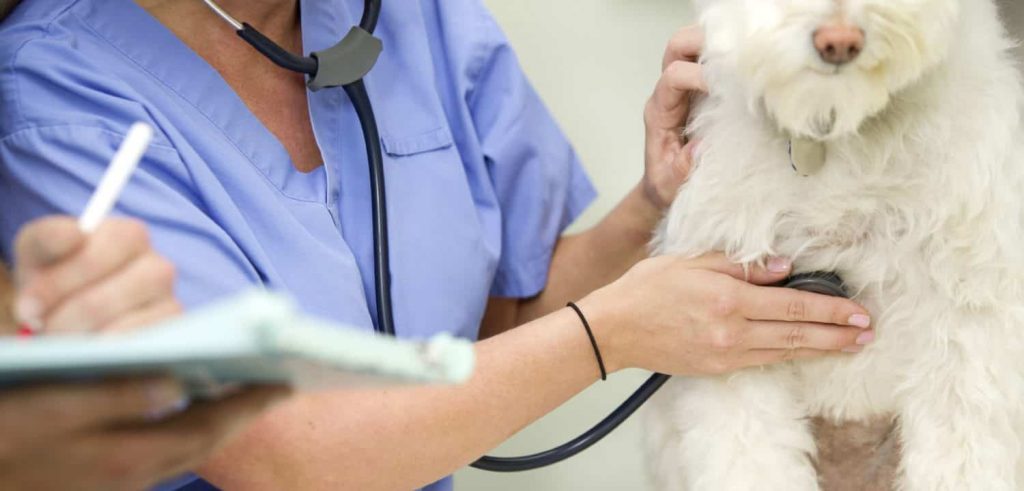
195, 22
275, 18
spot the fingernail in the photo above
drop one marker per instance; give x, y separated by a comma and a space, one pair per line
866, 338
161, 414
860, 320
29, 313
779, 265
694, 150
166, 398
853, 349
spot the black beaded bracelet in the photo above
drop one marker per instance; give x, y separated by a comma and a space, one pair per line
593, 342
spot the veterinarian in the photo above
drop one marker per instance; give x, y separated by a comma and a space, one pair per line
57, 436
255, 180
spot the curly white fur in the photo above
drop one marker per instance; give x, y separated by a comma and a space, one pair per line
920, 208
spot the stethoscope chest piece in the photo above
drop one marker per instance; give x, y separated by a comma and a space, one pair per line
821, 283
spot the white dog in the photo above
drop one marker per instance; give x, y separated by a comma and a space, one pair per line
904, 117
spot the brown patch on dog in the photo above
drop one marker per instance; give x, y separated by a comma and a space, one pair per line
857, 456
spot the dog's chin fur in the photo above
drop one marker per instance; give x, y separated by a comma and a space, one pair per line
919, 208
767, 44
824, 107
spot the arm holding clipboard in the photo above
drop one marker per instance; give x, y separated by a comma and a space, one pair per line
61, 422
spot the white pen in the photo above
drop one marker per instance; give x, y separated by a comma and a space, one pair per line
120, 170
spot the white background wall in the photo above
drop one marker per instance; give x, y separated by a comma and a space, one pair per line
595, 63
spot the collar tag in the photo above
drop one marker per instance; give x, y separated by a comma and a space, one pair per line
807, 156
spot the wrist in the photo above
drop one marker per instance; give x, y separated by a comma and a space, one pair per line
648, 206
607, 328
651, 194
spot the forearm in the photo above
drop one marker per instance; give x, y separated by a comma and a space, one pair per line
400, 439
587, 261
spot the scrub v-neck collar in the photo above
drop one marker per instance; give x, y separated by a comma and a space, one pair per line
156, 50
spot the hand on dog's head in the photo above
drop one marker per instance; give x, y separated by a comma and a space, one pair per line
820, 68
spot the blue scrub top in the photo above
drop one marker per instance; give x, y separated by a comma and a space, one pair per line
481, 182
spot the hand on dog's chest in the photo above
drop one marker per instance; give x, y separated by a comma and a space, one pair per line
807, 156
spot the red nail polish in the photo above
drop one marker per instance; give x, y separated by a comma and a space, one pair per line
26, 331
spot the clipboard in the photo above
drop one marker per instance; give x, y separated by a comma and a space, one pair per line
259, 337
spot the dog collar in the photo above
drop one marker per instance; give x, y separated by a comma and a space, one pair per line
807, 156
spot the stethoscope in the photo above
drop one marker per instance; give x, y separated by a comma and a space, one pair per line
344, 65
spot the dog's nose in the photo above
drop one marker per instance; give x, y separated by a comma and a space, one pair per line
839, 44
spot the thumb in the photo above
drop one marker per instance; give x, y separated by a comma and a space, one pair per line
774, 269
44, 242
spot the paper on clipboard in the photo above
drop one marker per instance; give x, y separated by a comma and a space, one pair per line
256, 338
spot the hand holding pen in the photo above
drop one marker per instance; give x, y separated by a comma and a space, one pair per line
94, 273
98, 274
